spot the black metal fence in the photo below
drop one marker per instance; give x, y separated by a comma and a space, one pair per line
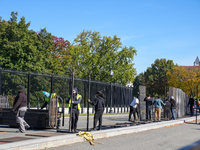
35, 83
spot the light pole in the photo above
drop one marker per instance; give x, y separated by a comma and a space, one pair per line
111, 74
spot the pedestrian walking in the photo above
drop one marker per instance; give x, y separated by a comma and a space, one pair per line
99, 104
20, 108
191, 104
158, 107
148, 107
75, 99
167, 109
134, 109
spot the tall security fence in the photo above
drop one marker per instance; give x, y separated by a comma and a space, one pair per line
180, 97
35, 83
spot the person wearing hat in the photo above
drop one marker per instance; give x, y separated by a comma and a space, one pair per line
99, 104
173, 106
76, 107
191, 103
20, 108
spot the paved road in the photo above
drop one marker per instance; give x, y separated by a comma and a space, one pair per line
7, 132
170, 138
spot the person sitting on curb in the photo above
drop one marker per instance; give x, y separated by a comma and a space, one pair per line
134, 109
158, 108
99, 104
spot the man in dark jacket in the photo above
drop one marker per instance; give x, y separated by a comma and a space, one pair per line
99, 104
148, 107
191, 103
173, 107
167, 109
76, 107
20, 107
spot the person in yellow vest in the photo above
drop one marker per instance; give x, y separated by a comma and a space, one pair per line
76, 106
47, 95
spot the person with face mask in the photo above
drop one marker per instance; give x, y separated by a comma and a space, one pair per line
99, 104
76, 107
20, 108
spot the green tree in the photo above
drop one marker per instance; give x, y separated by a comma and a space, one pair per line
92, 53
139, 80
155, 76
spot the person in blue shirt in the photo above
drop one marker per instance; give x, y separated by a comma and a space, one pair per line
158, 106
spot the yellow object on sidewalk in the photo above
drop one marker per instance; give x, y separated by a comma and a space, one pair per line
88, 136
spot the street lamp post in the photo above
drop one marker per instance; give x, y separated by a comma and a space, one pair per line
111, 74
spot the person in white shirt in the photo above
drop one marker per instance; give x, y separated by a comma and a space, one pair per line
134, 109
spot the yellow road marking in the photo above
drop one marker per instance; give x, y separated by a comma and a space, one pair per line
3, 132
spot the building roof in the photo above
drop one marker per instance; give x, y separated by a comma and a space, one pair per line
191, 67
197, 60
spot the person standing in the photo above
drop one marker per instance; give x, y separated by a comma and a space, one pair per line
158, 107
167, 109
76, 106
99, 104
20, 108
148, 107
173, 107
134, 109
191, 103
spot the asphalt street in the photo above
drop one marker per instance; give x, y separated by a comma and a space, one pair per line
170, 138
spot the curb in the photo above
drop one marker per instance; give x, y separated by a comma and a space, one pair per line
61, 140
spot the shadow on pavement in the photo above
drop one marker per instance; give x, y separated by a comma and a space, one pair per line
193, 146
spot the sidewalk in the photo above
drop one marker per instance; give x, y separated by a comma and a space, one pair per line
67, 138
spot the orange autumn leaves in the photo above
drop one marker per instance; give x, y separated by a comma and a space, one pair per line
185, 78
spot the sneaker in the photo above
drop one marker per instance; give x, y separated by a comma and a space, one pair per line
72, 130
27, 127
130, 120
136, 120
76, 131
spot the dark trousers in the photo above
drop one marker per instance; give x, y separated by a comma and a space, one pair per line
148, 113
75, 115
133, 111
192, 111
98, 117
167, 113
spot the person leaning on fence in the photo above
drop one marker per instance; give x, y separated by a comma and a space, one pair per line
47, 96
158, 107
148, 107
76, 107
99, 104
191, 103
20, 108
167, 109
134, 109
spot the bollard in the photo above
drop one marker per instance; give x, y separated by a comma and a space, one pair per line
82, 109
38, 106
93, 109
107, 108
118, 108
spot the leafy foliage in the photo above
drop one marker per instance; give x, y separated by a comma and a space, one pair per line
185, 79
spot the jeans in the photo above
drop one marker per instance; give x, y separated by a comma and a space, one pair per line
173, 115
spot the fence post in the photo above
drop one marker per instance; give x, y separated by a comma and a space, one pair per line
28, 91
118, 109
0, 80
88, 102
52, 83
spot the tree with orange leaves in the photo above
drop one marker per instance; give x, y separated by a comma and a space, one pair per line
184, 78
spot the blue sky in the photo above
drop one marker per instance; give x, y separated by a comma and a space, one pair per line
156, 28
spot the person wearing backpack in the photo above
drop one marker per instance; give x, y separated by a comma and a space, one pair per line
173, 106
